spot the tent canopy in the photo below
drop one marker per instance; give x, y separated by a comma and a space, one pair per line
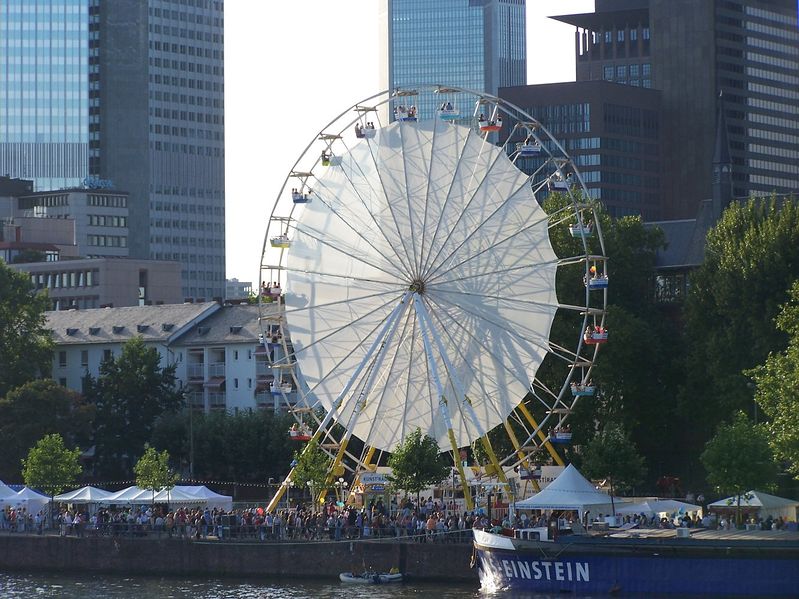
31, 500
658, 506
570, 491
83, 495
765, 504
212, 499
5, 490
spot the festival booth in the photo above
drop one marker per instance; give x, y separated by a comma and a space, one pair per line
82, 495
762, 504
126, 496
655, 507
210, 498
29, 499
571, 491
137, 496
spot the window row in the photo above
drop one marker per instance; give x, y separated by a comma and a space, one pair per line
107, 220
117, 241
59, 280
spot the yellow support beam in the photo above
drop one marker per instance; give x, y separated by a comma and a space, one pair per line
555, 455
522, 456
331, 472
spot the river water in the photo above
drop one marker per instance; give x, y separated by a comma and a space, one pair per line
65, 586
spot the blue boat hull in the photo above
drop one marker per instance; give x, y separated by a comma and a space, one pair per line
651, 570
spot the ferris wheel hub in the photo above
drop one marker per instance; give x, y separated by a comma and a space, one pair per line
417, 286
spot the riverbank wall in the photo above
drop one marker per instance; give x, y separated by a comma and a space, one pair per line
432, 562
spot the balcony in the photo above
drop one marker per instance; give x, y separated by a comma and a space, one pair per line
196, 399
217, 400
195, 370
216, 369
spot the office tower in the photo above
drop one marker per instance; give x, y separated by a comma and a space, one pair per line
129, 92
476, 44
613, 134
692, 51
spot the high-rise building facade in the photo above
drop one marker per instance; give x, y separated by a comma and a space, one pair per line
475, 44
692, 51
130, 91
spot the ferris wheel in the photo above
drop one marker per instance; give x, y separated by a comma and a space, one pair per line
408, 280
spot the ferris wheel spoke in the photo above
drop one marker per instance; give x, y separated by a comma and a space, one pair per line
389, 204
427, 201
528, 229
474, 193
512, 196
413, 257
455, 323
350, 225
486, 296
336, 331
360, 197
347, 301
319, 237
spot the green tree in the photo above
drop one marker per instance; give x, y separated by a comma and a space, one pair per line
35, 409
751, 261
738, 459
153, 472
416, 463
777, 388
130, 393
25, 344
612, 455
51, 466
311, 469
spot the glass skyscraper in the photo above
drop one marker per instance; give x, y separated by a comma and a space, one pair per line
44, 91
475, 44
132, 92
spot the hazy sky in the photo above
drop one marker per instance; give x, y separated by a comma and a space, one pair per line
291, 66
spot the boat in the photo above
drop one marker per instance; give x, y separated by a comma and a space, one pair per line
683, 561
370, 577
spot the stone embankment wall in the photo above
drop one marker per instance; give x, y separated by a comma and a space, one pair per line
173, 557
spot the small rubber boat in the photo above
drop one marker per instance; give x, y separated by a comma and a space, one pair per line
370, 577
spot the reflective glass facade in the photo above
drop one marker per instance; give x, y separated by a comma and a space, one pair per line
478, 45
44, 91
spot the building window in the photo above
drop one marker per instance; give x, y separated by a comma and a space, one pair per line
62, 359
62, 382
235, 354
607, 73
235, 383
107, 354
621, 71
608, 37
647, 69
645, 33
84, 357
633, 35
620, 35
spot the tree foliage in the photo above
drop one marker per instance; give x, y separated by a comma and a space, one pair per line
153, 472
130, 393
751, 261
417, 463
312, 465
35, 409
777, 388
51, 466
612, 455
738, 458
25, 344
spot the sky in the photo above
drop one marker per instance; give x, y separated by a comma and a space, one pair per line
291, 66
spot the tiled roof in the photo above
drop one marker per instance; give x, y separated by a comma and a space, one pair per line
108, 325
231, 324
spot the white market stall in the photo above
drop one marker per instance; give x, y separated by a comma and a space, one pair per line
5, 490
83, 495
763, 504
652, 507
29, 499
212, 499
570, 491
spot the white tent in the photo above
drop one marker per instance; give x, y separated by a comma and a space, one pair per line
570, 491
5, 490
212, 499
177, 495
126, 496
658, 506
31, 500
763, 503
83, 495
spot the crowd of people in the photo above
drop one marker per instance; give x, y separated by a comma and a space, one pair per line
427, 522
